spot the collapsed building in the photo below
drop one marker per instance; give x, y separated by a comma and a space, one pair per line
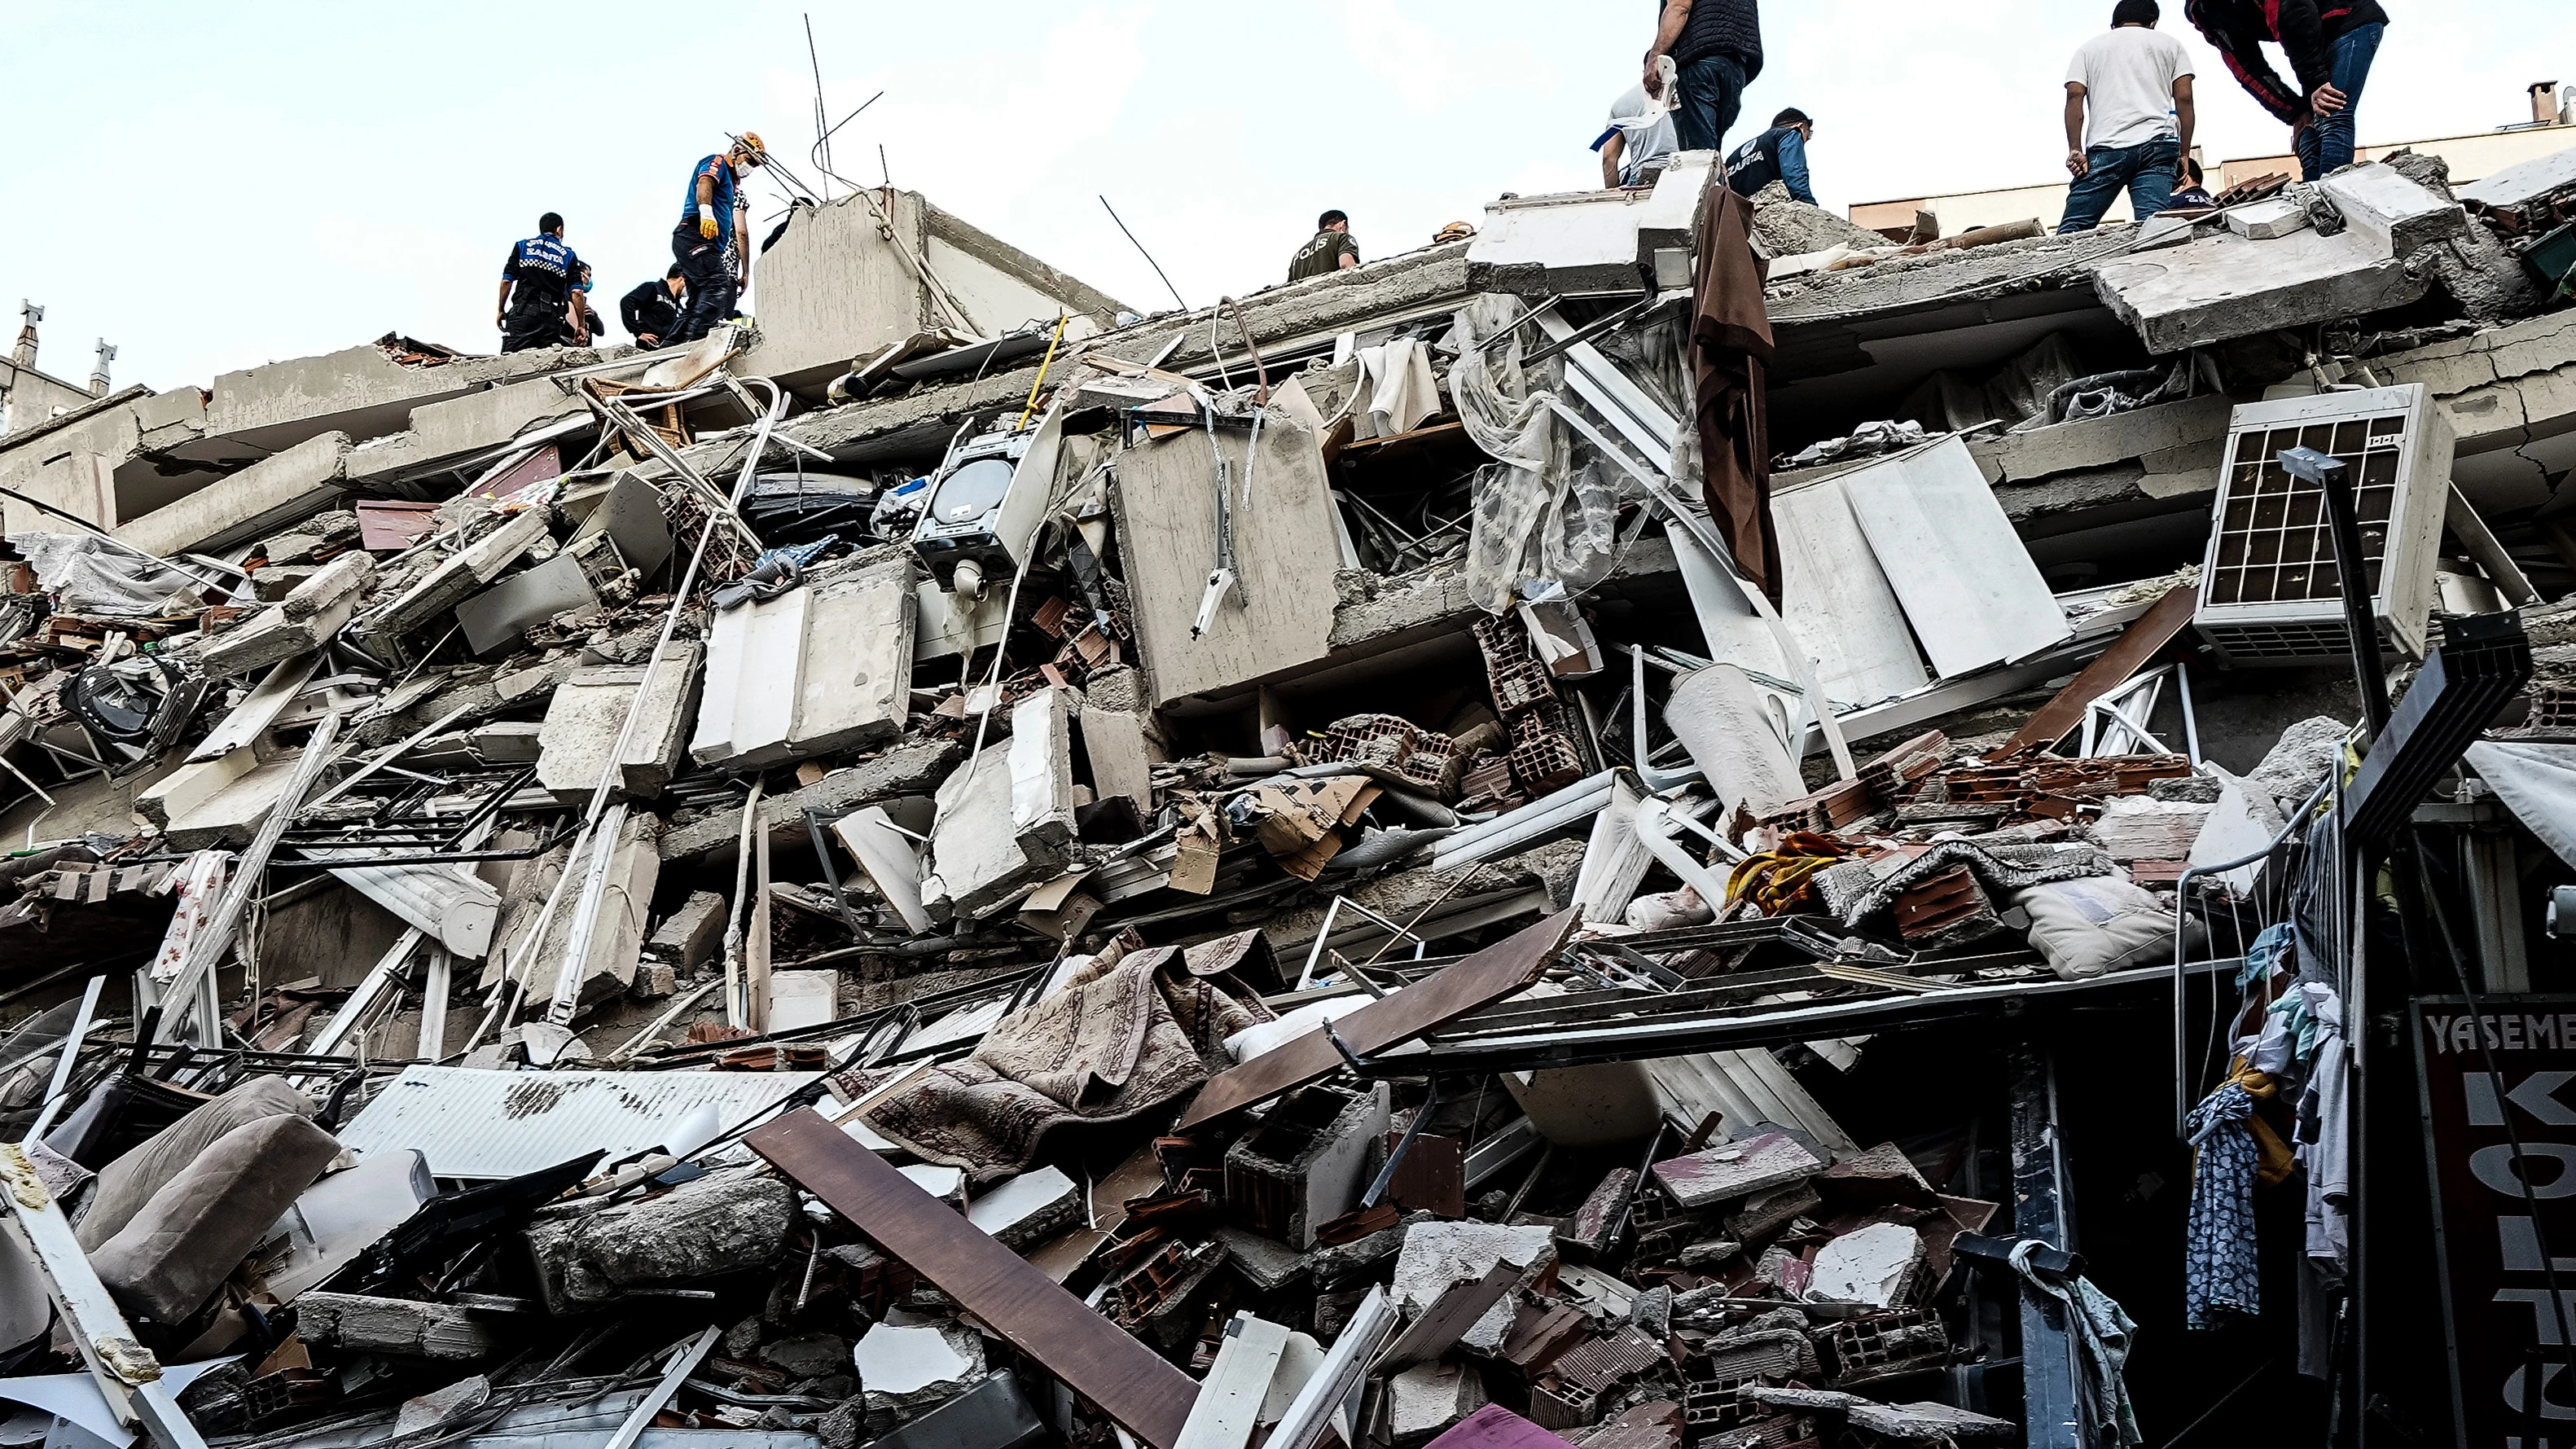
1483, 849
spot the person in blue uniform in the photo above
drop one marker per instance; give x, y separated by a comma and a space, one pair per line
708, 241
537, 302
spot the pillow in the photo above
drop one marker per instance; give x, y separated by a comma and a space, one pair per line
2097, 925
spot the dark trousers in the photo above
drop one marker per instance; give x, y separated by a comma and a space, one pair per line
2325, 144
713, 289
1712, 96
2148, 172
533, 322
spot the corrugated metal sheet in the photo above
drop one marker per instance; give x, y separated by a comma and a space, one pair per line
479, 1124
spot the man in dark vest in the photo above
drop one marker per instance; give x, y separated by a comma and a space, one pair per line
1716, 50
536, 303
1779, 154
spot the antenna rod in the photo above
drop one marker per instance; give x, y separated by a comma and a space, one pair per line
1148, 256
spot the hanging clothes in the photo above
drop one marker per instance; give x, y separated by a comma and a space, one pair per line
2264, 956
1731, 347
2236, 1150
2325, 1156
2102, 1332
1397, 380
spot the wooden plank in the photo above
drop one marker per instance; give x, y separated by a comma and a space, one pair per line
1366, 446
1131, 1384
1967, 581
1444, 996
2142, 641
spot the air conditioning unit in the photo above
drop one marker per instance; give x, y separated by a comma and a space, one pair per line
2269, 593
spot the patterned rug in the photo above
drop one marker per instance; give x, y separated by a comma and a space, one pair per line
1114, 1044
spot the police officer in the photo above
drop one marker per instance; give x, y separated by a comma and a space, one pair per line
708, 241
537, 301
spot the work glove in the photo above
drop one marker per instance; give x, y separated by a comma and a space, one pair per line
707, 225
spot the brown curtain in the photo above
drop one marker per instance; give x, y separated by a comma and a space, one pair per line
1730, 353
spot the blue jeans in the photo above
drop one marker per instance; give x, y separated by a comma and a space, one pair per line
1712, 96
2147, 172
2325, 144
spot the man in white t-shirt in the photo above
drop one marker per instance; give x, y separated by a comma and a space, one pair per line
1641, 139
2129, 118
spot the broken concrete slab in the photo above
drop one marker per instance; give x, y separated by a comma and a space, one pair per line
280, 489
2219, 288
453, 580
1925, 1422
589, 711
689, 937
359, 1323
2104, 442
1732, 1170
914, 768
1261, 1261
220, 802
726, 1222
1279, 617
476, 422
1122, 762
1590, 241
2404, 217
1881, 1265
907, 1371
2526, 182
616, 941
1438, 1256
496, 621
310, 614
1029, 1209
822, 668
272, 637
1427, 1398
507, 742
2268, 220
310, 538
1005, 820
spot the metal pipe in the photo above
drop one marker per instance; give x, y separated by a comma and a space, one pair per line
71, 1054
215, 936
2352, 577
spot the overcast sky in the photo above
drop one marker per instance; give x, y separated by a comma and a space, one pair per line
214, 186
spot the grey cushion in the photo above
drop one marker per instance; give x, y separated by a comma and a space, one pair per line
129, 1182
166, 1262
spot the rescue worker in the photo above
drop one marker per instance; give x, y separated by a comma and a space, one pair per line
537, 304
708, 241
1778, 154
652, 310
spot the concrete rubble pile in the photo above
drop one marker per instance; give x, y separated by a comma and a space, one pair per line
1255, 877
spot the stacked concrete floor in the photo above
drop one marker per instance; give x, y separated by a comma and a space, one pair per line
966, 867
